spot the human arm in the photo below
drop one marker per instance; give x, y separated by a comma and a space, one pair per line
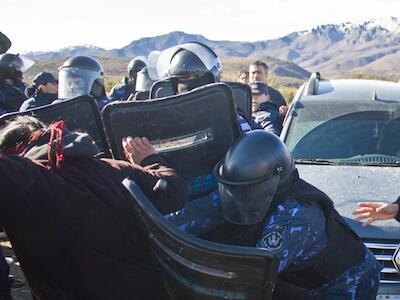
269, 120
268, 117
147, 167
294, 232
373, 211
198, 216
115, 93
137, 149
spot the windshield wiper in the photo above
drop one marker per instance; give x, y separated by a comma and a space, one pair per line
315, 162
392, 164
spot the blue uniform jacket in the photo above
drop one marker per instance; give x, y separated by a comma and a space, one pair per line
295, 232
121, 91
11, 96
37, 100
268, 117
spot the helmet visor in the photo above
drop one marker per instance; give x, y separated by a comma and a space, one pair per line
22, 63
207, 56
152, 60
74, 82
143, 82
160, 61
163, 62
247, 204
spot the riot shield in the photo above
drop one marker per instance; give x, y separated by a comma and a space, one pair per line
197, 269
161, 89
242, 96
80, 113
144, 95
192, 130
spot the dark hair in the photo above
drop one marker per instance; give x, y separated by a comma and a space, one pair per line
30, 90
241, 72
18, 130
260, 63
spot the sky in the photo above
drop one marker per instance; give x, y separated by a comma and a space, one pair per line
45, 25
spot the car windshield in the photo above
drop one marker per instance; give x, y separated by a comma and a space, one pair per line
350, 133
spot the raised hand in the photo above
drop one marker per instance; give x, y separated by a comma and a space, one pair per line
136, 149
373, 211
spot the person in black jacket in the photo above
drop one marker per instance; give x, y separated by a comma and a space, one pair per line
42, 92
69, 218
258, 71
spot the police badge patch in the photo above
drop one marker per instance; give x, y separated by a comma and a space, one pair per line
273, 241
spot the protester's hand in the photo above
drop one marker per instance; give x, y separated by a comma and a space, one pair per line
283, 110
373, 211
136, 149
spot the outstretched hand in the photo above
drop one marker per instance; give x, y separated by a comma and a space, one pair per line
136, 149
373, 211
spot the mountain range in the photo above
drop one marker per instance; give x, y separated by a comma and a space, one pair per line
333, 49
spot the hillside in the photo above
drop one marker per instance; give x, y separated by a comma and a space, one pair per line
284, 75
332, 49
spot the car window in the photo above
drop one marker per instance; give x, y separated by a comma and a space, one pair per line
346, 133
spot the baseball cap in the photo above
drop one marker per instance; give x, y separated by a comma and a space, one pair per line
259, 87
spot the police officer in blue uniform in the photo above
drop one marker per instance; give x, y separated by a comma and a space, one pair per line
82, 75
123, 90
12, 88
262, 202
42, 92
192, 65
265, 112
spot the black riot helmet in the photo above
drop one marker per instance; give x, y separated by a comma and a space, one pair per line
143, 81
134, 66
256, 167
81, 75
13, 65
5, 43
189, 66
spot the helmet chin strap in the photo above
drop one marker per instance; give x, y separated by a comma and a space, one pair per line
98, 90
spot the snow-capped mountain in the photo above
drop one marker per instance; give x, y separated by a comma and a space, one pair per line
372, 45
68, 51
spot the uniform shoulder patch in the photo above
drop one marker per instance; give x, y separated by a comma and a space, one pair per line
273, 241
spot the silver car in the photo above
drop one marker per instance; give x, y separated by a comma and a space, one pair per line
345, 138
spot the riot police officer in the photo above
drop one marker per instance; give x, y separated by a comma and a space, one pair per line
82, 75
263, 203
123, 90
192, 65
12, 89
189, 66
143, 86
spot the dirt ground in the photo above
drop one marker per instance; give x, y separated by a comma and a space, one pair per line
20, 289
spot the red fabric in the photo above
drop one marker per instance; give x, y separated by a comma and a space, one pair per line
56, 131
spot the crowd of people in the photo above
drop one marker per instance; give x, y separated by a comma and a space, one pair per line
58, 193
82, 75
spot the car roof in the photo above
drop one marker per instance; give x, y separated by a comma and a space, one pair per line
355, 90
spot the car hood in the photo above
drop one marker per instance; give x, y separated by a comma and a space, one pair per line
347, 185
